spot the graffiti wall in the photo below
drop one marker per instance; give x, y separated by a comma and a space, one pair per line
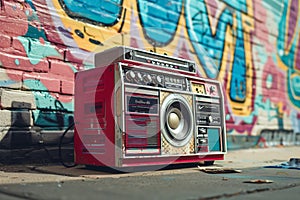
254, 46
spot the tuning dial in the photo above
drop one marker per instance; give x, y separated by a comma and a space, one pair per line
130, 75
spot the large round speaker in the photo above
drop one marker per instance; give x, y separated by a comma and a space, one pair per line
176, 120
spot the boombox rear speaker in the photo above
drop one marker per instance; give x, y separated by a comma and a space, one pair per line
177, 123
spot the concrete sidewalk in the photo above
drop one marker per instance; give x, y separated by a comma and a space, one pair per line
238, 159
259, 157
37, 182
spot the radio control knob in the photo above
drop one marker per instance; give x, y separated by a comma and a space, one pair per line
147, 78
130, 75
139, 77
158, 80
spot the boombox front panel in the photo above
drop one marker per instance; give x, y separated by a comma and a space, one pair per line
203, 115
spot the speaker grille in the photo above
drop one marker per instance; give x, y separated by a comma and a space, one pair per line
168, 149
183, 143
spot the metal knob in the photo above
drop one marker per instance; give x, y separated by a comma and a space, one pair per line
158, 80
130, 75
139, 77
147, 78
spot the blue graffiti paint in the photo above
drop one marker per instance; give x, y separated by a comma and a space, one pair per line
37, 51
238, 78
295, 80
6, 83
202, 37
31, 4
240, 5
17, 62
288, 56
33, 31
269, 81
159, 19
52, 120
96, 12
293, 87
43, 98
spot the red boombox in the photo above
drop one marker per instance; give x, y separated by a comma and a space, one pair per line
140, 108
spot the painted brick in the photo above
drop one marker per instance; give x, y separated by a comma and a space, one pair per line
42, 49
79, 67
67, 99
20, 44
42, 66
78, 55
13, 59
16, 99
67, 87
14, 22
11, 78
5, 41
39, 62
62, 68
15, 118
54, 120
52, 33
42, 81
15, 62
54, 101
61, 50
45, 101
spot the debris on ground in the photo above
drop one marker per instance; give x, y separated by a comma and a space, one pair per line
218, 170
259, 181
293, 163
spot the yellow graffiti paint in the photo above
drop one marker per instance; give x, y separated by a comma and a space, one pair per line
91, 32
239, 108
